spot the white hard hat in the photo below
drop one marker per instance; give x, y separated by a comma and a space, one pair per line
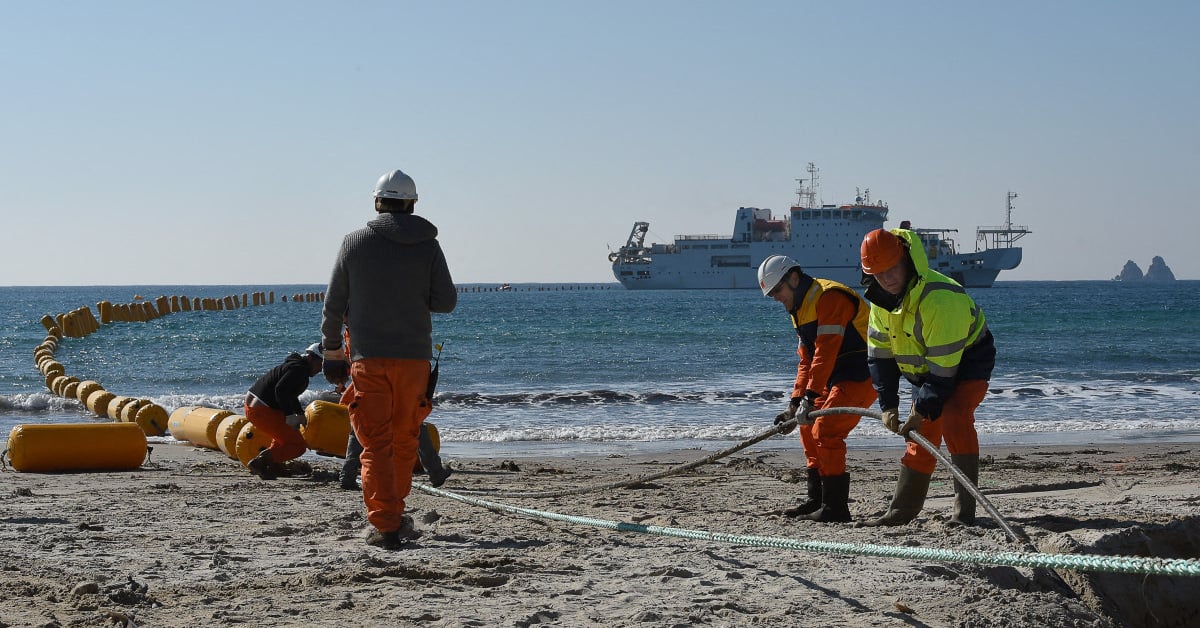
314, 349
772, 271
396, 184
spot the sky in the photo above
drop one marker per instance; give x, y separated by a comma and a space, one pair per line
229, 142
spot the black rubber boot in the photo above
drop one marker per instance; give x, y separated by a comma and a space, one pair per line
814, 496
352, 466
911, 489
263, 465
430, 460
835, 495
964, 501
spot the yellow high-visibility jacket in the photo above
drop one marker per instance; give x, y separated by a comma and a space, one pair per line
933, 334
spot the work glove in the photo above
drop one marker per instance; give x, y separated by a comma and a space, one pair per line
335, 366
806, 406
913, 423
788, 415
296, 420
891, 420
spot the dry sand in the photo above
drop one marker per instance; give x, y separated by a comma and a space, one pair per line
191, 539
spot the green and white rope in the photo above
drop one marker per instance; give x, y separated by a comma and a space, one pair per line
1073, 562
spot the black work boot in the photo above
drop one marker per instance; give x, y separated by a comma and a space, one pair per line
430, 460
814, 496
911, 489
835, 495
263, 465
964, 501
350, 468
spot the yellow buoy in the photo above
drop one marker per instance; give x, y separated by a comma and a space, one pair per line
129, 412
152, 418
198, 427
68, 390
227, 434
86, 387
98, 402
116, 405
76, 447
436, 438
250, 442
328, 428
52, 368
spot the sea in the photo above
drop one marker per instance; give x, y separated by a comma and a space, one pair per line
592, 368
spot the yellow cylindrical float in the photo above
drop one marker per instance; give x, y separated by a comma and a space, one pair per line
98, 402
250, 442
49, 323
69, 389
152, 418
54, 382
86, 387
52, 367
60, 384
76, 447
435, 438
129, 412
328, 428
116, 405
198, 427
227, 433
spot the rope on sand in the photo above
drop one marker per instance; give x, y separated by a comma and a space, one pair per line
778, 429
1073, 562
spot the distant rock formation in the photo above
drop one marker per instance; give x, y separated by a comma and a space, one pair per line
1158, 271
1131, 272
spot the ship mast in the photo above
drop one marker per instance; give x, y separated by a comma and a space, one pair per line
807, 196
1001, 237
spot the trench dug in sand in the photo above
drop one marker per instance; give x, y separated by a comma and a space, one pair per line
1134, 599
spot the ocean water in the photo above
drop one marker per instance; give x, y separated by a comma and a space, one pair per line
594, 368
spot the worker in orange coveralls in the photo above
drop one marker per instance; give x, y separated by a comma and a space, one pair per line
388, 278
273, 406
831, 321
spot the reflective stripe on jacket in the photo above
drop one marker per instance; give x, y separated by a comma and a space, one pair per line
831, 323
936, 337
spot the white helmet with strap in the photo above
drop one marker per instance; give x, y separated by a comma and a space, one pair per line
773, 270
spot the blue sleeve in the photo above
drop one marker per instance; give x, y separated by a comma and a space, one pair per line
885, 378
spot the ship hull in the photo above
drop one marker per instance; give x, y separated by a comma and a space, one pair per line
979, 269
650, 277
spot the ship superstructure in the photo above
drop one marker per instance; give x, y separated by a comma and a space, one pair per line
824, 239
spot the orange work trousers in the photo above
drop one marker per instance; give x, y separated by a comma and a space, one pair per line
957, 424
825, 440
286, 441
386, 412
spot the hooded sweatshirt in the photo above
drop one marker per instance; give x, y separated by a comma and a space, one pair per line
389, 276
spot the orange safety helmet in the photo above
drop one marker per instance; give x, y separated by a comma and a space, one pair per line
881, 250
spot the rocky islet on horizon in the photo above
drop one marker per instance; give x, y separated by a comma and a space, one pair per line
1158, 271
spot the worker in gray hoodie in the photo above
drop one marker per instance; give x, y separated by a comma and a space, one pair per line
389, 277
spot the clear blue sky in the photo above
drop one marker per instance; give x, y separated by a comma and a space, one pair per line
236, 142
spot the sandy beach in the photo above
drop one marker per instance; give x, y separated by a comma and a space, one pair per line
191, 539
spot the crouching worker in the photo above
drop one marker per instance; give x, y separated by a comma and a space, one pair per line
925, 328
273, 406
831, 322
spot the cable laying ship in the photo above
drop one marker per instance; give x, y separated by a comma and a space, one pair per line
825, 239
